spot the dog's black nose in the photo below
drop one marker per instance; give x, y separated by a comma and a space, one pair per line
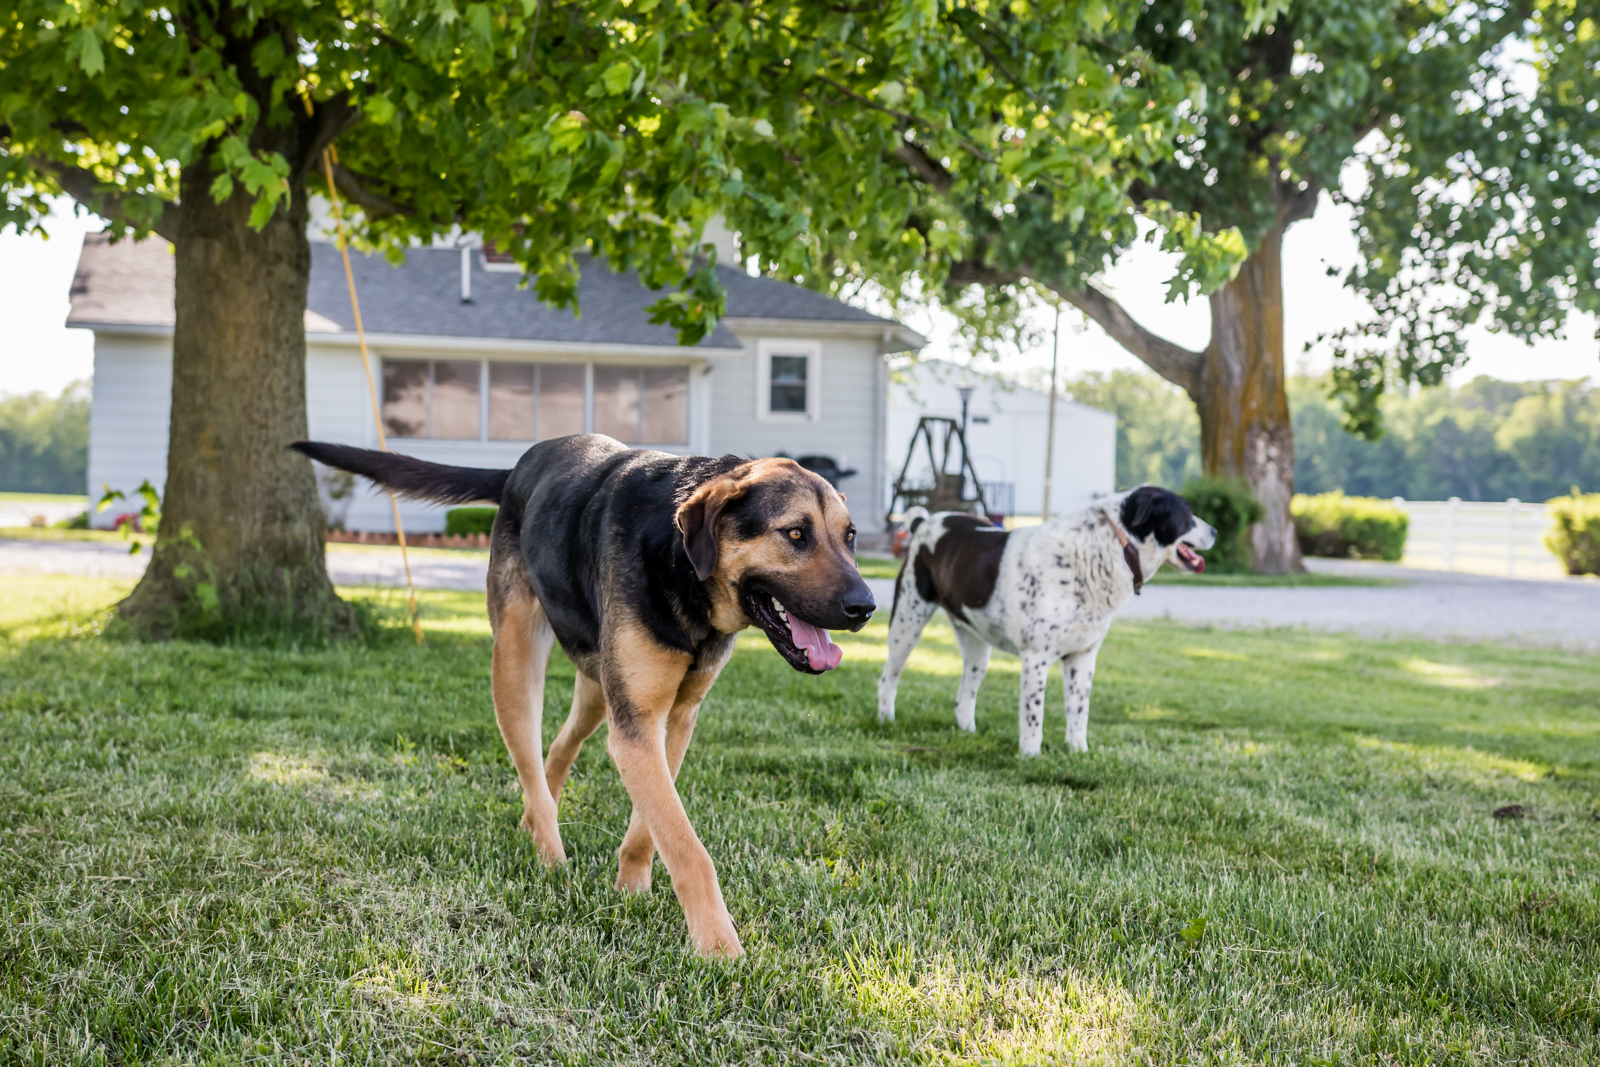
858, 604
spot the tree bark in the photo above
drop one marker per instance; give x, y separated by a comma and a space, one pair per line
1245, 430
240, 546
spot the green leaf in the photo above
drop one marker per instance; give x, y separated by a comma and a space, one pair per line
1194, 933
380, 109
221, 187
83, 48
617, 77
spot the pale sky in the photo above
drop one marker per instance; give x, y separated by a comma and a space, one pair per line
38, 352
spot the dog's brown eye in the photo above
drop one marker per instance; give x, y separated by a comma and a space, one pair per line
797, 534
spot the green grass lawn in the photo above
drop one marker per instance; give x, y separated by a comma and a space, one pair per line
1281, 847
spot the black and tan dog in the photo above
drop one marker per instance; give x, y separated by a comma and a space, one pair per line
643, 565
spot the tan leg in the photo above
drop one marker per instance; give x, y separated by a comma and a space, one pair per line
638, 850
588, 712
642, 682
522, 643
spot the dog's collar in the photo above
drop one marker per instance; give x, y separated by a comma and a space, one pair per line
1129, 553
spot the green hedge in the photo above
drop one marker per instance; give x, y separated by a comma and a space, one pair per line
1575, 537
1349, 527
462, 522
1228, 505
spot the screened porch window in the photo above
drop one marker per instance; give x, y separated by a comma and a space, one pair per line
535, 401
432, 398
501, 400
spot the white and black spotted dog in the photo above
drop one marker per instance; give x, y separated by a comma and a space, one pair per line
1046, 593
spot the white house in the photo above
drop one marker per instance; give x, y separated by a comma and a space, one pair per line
1007, 427
471, 369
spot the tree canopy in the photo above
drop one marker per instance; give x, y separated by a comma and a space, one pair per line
1482, 195
840, 142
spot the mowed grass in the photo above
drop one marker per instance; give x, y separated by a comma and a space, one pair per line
1281, 847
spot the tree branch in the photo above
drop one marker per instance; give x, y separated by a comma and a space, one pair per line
376, 205
1178, 365
328, 120
1300, 203
927, 168
108, 200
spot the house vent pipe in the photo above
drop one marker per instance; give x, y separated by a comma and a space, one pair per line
466, 275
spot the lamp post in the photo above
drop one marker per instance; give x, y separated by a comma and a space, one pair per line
965, 389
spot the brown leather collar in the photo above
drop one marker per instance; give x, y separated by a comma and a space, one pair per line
1129, 553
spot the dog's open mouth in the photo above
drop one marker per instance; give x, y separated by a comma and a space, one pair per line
808, 648
1191, 559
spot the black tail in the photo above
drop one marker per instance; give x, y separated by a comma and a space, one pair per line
410, 477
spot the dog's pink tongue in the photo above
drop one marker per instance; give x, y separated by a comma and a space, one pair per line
821, 653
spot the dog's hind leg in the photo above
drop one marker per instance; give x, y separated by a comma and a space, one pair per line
1030, 705
588, 712
522, 643
1077, 671
974, 662
911, 614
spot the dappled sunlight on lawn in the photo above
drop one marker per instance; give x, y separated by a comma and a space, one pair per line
1211, 653
56, 604
1450, 675
968, 1013
1478, 767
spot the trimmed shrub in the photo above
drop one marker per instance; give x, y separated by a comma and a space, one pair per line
1575, 537
463, 522
1227, 504
1349, 527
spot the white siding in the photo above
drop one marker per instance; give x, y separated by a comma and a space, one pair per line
848, 421
128, 418
1010, 447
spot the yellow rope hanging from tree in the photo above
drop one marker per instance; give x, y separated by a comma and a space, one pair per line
328, 160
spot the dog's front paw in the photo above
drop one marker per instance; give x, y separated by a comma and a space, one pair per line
716, 938
546, 839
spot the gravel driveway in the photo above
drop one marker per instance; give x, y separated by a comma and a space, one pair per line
1432, 604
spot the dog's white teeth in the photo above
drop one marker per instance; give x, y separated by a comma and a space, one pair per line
784, 615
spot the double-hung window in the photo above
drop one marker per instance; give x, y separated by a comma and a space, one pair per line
787, 381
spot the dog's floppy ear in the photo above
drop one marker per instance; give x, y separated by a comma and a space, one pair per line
1137, 511
697, 520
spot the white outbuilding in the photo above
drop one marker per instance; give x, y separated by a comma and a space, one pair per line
1007, 426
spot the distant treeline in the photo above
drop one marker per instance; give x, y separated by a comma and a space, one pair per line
1484, 440
44, 441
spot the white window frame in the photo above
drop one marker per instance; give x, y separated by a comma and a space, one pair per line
765, 350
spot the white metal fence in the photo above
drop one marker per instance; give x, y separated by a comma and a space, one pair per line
1479, 537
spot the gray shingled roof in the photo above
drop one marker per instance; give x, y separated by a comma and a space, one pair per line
131, 283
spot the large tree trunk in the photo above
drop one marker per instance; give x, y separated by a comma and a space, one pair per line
1245, 430
240, 546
